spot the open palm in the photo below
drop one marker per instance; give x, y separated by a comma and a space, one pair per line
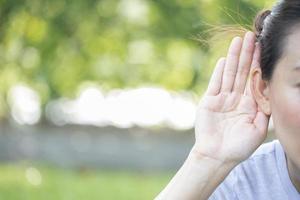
229, 125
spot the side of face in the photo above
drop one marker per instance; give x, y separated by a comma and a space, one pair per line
280, 97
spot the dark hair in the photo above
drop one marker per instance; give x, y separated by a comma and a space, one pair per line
272, 28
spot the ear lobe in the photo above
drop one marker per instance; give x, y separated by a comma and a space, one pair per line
260, 91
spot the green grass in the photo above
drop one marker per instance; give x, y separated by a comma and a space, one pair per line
46, 183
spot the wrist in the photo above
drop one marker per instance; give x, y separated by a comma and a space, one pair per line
197, 157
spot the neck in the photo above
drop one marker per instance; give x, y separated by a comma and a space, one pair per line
294, 173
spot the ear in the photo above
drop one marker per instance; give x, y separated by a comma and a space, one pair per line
260, 90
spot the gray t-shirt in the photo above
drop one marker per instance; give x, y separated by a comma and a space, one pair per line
262, 176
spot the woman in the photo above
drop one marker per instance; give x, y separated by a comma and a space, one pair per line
227, 160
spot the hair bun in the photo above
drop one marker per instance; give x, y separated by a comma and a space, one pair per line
259, 21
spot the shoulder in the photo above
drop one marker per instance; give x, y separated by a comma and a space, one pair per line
266, 149
261, 161
259, 166
258, 169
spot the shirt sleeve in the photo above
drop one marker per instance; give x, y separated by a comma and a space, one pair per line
225, 191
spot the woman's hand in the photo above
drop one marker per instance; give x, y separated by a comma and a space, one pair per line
229, 126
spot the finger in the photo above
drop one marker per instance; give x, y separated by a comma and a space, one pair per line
231, 65
255, 63
215, 82
256, 56
248, 90
245, 61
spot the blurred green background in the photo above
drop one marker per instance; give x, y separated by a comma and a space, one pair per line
57, 47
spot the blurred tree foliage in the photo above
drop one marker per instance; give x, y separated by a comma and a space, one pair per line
54, 46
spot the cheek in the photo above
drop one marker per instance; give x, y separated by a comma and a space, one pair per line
286, 119
286, 111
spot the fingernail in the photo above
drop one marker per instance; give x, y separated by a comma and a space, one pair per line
237, 39
250, 35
